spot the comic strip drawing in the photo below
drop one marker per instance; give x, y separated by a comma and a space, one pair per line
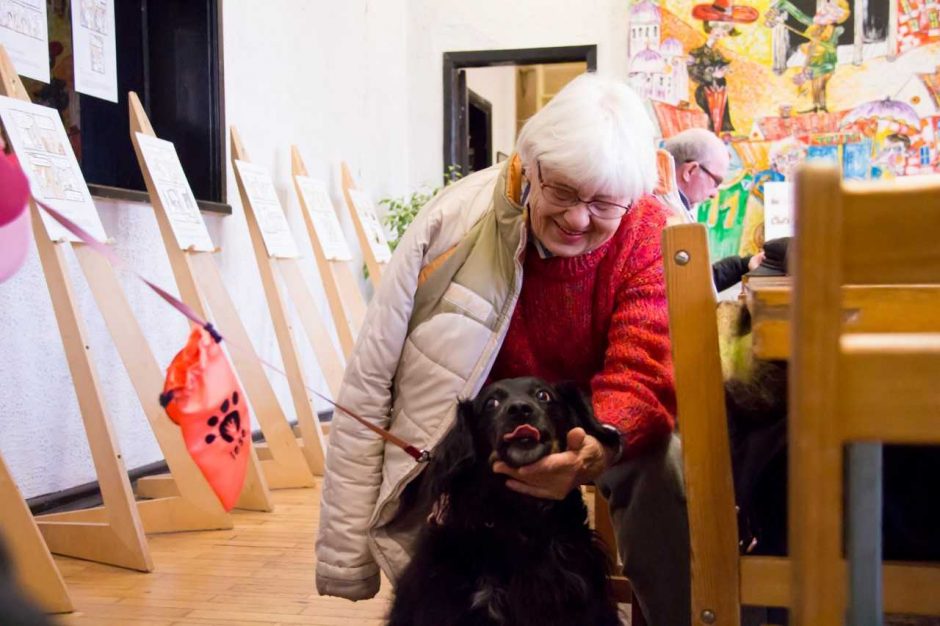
325, 223
38, 138
25, 35
365, 209
174, 192
267, 209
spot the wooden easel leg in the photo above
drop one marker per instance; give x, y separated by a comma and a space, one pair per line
286, 466
204, 511
351, 295
33, 564
122, 541
255, 495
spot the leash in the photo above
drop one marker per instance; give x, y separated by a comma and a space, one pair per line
420, 456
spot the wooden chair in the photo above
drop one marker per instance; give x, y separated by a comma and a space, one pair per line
848, 386
620, 584
722, 580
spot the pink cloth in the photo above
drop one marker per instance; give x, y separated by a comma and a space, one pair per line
14, 218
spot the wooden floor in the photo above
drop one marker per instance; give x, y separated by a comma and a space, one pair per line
260, 573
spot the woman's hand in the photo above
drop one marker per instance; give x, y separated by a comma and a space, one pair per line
554, 476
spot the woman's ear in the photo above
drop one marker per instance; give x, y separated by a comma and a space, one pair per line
454, 455
582, 414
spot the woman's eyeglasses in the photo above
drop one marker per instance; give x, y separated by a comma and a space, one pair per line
568, 197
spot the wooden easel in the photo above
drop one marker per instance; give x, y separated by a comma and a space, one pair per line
375, 267
113, 533
33, 564
342, 291
201, 287
269, 267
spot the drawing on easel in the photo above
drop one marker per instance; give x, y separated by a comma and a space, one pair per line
365, 209
175, 194
267, 210
39, 141
25, 35
94, 48
325, 223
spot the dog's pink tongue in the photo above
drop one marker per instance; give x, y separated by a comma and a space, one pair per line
523, 431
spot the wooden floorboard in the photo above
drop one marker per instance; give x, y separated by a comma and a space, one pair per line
260, 573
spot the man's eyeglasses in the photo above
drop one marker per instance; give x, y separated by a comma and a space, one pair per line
715, 178
568, 197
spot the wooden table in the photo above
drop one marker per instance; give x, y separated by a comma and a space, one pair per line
865, 309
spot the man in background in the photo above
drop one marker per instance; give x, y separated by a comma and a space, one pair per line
702, 163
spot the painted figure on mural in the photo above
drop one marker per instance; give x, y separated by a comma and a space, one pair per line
823, 31
708, 66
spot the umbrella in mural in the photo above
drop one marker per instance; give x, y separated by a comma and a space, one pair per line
887, 110
708, 66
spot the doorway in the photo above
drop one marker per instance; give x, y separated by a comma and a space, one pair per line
530, 68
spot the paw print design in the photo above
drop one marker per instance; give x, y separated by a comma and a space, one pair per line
230, 426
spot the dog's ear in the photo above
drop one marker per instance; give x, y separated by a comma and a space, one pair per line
582, 414
455, 453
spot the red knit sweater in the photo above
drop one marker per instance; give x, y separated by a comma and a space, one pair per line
600, 320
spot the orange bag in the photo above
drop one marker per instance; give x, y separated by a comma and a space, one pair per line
203, 397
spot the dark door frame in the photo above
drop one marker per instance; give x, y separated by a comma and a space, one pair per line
455, 113
486, 107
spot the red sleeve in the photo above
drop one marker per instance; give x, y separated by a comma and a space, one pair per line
634, 391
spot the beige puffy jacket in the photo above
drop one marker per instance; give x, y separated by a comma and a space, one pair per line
431, 335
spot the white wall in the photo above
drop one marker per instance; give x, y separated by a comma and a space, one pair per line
438, 26
326, 76
358, 80
498, 85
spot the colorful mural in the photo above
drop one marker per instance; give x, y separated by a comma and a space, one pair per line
854, 82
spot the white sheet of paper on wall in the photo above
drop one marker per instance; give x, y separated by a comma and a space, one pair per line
175, 194
46, 156
325, 223
778, 210
362, 205
24, 32
267, 210
93, 48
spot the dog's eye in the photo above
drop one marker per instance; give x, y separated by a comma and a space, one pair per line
491, 404
543, 396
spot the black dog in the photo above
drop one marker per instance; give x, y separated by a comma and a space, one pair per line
490, 555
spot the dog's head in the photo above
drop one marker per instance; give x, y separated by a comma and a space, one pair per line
517, 421
520, 420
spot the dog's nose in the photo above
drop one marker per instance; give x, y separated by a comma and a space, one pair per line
519, 409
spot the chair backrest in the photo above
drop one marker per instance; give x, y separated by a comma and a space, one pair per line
876, 385
706, 455
667, 190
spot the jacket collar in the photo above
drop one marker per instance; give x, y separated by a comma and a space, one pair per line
511, 215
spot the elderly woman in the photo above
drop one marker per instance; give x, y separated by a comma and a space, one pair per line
547, 265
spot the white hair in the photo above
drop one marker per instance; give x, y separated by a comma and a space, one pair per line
597, 133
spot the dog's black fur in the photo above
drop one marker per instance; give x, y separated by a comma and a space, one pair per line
491, 556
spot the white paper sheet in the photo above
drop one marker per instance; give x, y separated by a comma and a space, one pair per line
44, 151
93, 48
365, 209
267, 209
24, 32
325, 223
175, 194
778, 210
